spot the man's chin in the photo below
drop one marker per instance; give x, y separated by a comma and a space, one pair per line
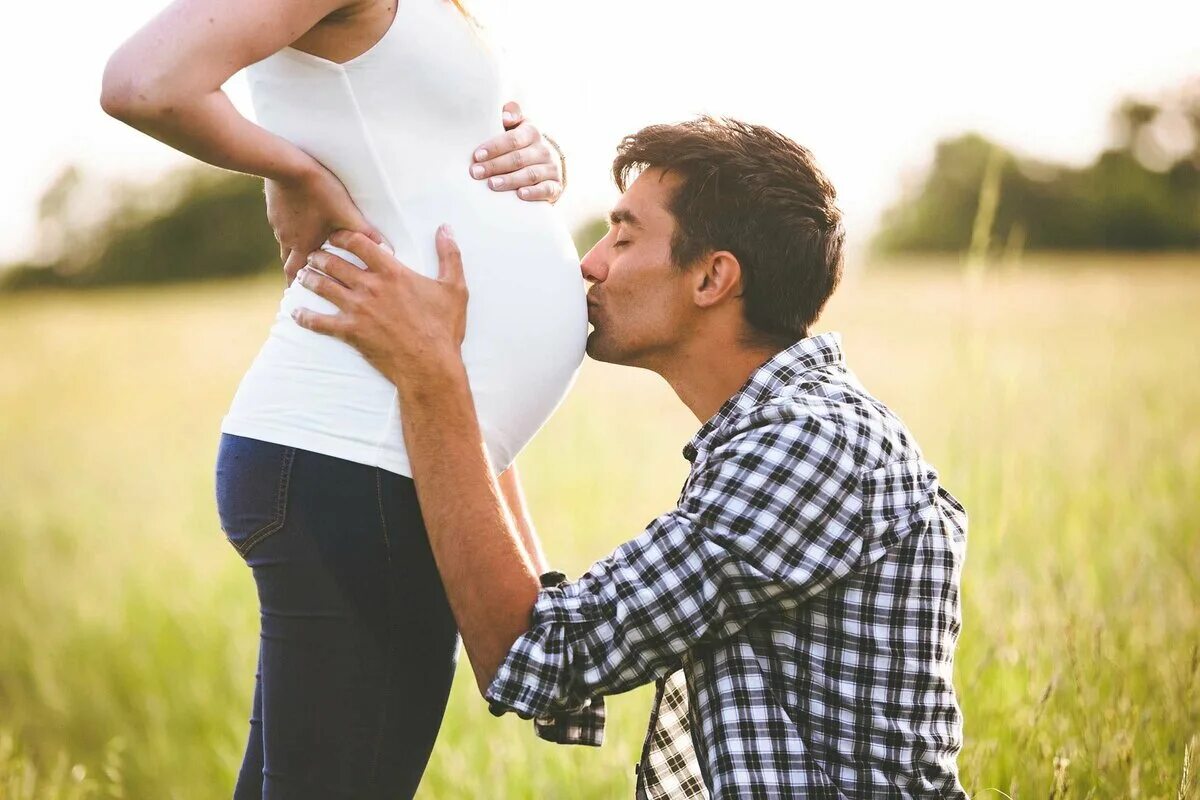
597, 349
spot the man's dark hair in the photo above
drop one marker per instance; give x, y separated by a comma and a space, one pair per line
754, 192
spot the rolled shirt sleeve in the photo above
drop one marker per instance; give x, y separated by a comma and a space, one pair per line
768, 519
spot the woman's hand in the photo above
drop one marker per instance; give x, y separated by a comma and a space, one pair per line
521, 159
305, 210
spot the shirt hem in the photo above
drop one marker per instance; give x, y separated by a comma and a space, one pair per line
372, 455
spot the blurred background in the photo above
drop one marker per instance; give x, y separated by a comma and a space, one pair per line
1021, 183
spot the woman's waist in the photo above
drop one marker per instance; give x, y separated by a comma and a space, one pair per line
513, 330
304, 380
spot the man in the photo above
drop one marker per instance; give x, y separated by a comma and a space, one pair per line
799, 607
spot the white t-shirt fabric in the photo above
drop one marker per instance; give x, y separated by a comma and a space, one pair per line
398, 125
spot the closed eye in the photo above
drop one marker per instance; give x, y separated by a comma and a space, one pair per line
620, 242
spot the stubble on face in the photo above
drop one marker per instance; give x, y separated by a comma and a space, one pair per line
637, 309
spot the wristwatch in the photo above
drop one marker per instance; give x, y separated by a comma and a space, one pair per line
553, 579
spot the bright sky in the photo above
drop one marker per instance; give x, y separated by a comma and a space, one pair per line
867, 87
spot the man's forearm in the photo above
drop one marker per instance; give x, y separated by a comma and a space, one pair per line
489, 579
510, 487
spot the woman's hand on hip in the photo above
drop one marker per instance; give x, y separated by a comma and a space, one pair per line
305, 210
521, 159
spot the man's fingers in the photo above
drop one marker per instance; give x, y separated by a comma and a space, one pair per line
361, 245
450, 268
521, 136
328, 324
546, 190
337, 268
324, 286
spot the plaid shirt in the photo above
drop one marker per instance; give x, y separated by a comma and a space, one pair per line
799, 607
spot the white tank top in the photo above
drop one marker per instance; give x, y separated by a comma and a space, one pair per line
398, 125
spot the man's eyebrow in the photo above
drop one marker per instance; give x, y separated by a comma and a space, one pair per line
623, 215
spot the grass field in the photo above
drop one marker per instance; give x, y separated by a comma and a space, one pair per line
1060, 401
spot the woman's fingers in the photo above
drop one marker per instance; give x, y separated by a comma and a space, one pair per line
365, 227
293, 264
511, 114
504, 166
546, 190
520, 137
528, 176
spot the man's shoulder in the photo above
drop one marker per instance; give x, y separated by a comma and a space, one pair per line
828, 404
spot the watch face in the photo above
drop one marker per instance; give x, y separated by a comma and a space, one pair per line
553, 579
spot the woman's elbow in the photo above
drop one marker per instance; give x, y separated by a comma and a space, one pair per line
128, 96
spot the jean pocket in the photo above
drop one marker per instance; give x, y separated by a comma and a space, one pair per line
252, 488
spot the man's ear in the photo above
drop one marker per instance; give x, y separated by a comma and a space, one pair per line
717, 277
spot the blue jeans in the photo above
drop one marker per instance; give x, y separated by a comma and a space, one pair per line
358, 645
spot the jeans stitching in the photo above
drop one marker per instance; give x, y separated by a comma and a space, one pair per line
285, 477
391, 643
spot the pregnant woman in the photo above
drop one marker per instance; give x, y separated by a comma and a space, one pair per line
369, 117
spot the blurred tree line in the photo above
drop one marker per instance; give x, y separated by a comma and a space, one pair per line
195, 222
1142, 193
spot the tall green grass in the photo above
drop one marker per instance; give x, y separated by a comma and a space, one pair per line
1060, 401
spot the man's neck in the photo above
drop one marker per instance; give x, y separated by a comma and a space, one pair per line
704, 376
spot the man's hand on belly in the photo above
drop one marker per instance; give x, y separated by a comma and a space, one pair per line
406, 325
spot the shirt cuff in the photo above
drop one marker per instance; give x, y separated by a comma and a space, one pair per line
583, 727
536, 679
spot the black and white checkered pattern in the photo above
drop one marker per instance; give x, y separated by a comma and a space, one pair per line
806, 587
669, 769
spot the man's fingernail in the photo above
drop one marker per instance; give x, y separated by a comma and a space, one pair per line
447, 230
523, 191
480, 154
478, 170
508, 116
496, 182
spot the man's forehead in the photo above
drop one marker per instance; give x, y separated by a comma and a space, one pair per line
645, 200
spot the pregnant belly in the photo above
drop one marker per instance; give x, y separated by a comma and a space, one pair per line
525, 337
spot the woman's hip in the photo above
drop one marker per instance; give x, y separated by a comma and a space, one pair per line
314, 523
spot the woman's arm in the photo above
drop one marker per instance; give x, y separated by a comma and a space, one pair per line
514, 498
166, 80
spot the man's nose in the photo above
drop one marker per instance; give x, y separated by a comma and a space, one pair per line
593, 266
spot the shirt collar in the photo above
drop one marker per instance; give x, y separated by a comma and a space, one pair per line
767, 379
